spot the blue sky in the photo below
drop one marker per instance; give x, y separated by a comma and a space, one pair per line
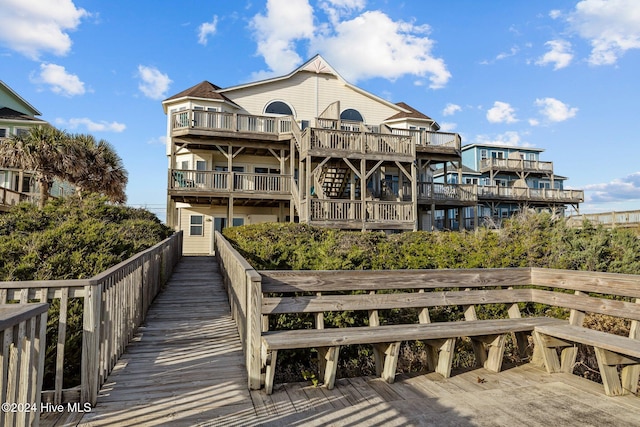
558, 75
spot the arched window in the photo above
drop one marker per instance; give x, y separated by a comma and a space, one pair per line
278, 107
352, 115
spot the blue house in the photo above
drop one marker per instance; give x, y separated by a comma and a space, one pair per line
506, 179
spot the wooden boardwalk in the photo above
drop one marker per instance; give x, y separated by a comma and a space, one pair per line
185, 368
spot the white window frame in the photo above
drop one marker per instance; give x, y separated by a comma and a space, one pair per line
191, 225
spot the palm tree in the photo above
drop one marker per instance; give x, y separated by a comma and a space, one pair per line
42, 151
98, 168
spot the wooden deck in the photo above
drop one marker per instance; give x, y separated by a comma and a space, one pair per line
185, 367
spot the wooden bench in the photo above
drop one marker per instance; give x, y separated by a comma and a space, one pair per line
611, 351
439, 336
488, 336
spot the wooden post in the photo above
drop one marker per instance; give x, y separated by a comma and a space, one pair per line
91, 343
254, 329
631, 373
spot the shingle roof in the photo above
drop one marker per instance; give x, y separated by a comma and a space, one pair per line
201, 90
412, 114
7, 113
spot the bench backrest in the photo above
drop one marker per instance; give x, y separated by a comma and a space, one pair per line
316, 291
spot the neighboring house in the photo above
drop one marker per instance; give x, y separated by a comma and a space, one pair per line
307, 147
16, 117
510, 179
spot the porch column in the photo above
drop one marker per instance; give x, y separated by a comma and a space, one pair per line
230, 212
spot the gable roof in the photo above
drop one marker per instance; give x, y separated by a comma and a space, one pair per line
409, 113
318, 65
30, 109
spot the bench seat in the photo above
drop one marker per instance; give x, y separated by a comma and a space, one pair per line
440, 336
611, 350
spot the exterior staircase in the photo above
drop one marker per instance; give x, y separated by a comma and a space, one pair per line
334, 181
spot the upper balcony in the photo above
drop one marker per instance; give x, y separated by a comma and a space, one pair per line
330, 137
351, 143
532, 195
230, 125
516, 165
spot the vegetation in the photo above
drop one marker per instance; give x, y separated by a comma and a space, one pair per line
528, 240
50, 153
71, 239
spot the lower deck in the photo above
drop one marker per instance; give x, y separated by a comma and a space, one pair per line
186, 367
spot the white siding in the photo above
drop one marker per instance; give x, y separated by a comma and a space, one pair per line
204, 244
309, 94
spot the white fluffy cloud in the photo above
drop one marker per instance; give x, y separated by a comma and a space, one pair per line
207, 29
360, 44
60, 81
451, 109
559, 54
555, 110
276, 32
36, 26
153, 83
448, 127
92, 126
511, 138
611, 26
626, 188
501, 112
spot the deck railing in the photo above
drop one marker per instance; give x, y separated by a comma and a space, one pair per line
379, 211
9, 197
336, 210
359, 142
243, 285
23, 329
191, 180
516, 165
114, 303
607, 219
429, 138
436, 191
231, 122
532, 194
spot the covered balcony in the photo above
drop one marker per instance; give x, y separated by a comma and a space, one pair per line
223, 184
222, 124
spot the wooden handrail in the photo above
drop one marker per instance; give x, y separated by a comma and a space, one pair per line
24, 328
115, 302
